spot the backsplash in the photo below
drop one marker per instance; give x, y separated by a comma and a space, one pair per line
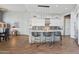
42, 28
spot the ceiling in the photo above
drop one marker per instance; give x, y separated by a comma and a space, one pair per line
33, 8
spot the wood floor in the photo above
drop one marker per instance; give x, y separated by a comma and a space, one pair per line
20, 45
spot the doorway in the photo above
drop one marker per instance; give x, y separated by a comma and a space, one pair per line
67, 25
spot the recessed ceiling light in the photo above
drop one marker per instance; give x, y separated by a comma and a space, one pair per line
34, 16
56, 5
66, 8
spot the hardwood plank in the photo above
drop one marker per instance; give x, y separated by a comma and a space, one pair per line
19, 44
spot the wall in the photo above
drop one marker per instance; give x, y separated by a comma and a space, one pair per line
21, 18
77, 21
24, 19
73, 23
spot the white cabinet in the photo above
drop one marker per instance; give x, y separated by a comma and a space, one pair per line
55, 22
41, 22
38, 22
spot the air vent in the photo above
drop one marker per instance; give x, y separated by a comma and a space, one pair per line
43, 6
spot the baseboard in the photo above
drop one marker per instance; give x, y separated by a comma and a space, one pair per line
66, 35
20, 35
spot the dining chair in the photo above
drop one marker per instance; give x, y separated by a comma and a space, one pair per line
1, 33
5, 34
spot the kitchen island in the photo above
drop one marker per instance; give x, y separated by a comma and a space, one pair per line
42, 34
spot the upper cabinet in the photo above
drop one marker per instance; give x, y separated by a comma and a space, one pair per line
38, 22
56, 21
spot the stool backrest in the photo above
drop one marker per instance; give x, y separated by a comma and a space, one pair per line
58, 33
47, 34
36, 34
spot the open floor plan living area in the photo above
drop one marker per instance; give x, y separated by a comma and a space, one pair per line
39, 29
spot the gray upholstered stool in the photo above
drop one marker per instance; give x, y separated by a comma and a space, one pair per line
48, 37
58, 34
37, 37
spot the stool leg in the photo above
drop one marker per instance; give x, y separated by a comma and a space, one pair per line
51, 39
61, 39
54, 39
5, 38
50, 42
41, 42
0, 39
37, 43
45, 39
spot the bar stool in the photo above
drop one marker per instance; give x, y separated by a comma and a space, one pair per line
53, 37
37, 37
48, 37
58, 34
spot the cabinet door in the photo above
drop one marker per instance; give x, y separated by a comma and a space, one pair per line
55, 22
39, 22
